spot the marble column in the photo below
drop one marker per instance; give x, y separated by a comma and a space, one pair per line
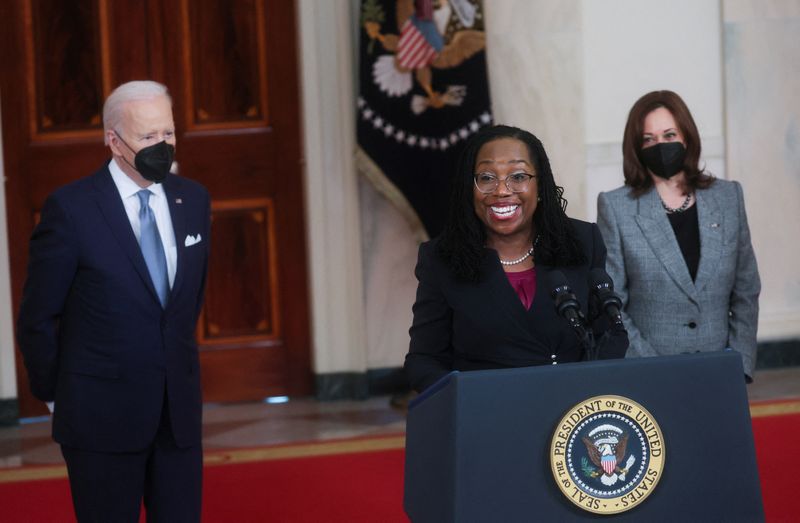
762, 81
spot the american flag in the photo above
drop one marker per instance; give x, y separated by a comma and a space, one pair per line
419, 43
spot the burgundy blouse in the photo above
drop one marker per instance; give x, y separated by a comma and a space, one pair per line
524, 283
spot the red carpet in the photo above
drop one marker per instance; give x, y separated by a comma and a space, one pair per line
365, 487
778, 455
341, 482
354, 487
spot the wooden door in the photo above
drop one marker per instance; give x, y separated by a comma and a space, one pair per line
231, 67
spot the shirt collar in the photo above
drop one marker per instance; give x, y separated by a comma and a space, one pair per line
128, 187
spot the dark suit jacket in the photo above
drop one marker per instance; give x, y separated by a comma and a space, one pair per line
92, 332
483, 325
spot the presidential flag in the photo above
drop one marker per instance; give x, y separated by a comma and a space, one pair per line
423, 91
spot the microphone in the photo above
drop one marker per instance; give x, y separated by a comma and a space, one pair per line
603, 291
567, 305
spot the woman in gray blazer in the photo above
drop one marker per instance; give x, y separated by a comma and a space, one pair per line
678, 242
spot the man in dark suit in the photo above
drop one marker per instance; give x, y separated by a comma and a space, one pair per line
115, 285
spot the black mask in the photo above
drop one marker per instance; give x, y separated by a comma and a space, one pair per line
664, 159
154, 161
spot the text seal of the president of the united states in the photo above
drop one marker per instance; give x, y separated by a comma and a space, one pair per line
607, 454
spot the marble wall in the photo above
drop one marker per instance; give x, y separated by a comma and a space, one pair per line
762, 80
631, 47
389, 252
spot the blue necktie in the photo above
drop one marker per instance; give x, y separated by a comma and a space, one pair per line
152, 248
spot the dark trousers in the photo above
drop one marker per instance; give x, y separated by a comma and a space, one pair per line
110, 487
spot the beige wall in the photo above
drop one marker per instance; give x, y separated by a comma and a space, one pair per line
761, 42
644, 53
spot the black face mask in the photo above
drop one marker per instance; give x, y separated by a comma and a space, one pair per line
664, 159
154, 161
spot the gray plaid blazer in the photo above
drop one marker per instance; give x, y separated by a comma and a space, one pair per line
665, 312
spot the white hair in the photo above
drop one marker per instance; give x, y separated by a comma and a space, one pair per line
128, 92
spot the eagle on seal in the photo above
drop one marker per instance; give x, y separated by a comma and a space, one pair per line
431, 34
606, 446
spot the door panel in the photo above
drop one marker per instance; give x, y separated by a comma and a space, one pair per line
226, 85
231, 69
244, 236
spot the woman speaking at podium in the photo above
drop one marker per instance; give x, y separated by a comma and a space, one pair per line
678, 239
484, 294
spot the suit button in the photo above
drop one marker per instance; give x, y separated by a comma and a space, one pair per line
692, 325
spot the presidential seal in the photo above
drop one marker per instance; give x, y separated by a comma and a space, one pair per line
607, 454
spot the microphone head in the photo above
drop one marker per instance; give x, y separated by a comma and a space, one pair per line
600, 280
558, 282
602, 287
565, 301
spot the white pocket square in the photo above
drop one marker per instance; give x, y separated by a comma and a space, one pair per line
191, 240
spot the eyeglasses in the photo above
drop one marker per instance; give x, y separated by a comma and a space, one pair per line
488, 183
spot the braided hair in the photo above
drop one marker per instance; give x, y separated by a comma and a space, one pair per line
462, 242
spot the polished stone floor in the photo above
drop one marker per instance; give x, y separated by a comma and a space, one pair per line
304, 420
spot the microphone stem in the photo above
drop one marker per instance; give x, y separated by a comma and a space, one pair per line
585, 338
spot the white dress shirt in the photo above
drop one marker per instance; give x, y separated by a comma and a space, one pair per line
158, 202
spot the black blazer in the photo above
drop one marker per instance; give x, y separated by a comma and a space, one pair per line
470, 326
93, 334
